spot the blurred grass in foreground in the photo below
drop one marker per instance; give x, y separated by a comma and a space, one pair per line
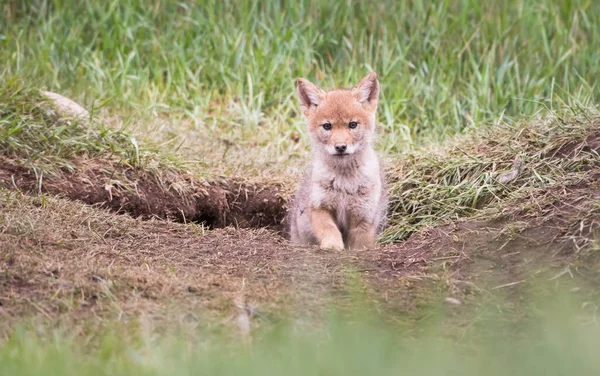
555, 340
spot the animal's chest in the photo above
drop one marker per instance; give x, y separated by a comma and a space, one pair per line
348, 197
348, 188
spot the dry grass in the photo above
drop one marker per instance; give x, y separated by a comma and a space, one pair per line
45, 151
65, 259
203, 128
489, 166
428, 187
69, 261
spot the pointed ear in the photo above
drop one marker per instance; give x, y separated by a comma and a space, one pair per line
367, 90
309, 94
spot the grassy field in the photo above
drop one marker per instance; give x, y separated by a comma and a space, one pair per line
226, 70
145, 238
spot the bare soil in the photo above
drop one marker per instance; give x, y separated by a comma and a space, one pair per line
63, 259
174, 196
123, 257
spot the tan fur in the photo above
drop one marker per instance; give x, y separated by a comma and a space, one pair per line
341, 200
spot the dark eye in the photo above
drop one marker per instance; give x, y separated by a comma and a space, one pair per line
327, 126
353, 124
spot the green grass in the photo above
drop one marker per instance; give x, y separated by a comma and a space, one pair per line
212, 83
229, 67
32, 131
555, 343
36, 134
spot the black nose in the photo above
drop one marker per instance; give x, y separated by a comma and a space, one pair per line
340, 148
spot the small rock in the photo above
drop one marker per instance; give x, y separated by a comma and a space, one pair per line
66, 107
511, 175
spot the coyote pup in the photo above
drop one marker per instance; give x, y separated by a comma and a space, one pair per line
341, 201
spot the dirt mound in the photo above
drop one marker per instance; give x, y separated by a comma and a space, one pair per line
554, 233
173, 196
61, 257
65, 259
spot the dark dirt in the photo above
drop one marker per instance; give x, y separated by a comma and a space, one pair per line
177, 197
572, 148
63, 259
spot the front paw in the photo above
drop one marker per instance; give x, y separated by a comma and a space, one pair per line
332, 244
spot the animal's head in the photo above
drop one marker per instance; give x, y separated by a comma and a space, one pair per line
340, 122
